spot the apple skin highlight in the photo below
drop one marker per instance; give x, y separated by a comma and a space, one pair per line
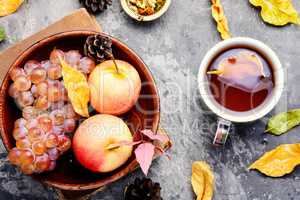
114, 92
92, 138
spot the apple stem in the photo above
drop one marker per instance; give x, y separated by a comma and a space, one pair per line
115, 63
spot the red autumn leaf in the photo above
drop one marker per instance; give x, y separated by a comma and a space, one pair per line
122, 143
144, 155
153, 136
160, 151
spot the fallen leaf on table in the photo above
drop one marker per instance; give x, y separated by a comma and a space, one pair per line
2, 34
202, 180
220, 18
8, 7
77, 87
198, 181
277, 12
278, 162
283, 122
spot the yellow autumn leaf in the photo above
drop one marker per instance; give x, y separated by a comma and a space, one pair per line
198, 181
202, 180
9, 6
78, 89
220, 18
277, 12
280, 161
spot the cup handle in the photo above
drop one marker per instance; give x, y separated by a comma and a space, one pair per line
222, 132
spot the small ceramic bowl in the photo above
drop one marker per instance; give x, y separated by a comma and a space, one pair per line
68, 174
139, 17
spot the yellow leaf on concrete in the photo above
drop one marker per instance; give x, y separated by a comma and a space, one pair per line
220, 18
198, 181
280, 161
202, 180
9, 6
277, 12
78, 89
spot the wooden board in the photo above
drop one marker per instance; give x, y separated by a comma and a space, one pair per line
79, 20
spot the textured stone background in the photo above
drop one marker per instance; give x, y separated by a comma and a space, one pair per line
173, 47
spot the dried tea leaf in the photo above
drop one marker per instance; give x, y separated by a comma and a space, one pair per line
208, 183
220, 18
280, 161
77, 87
8, 7
2, 34
283, 122
277, 12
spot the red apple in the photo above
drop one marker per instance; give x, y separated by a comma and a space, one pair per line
92, 140
114, 91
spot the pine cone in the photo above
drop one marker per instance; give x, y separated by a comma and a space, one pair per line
143, 189
96, 6
98, 47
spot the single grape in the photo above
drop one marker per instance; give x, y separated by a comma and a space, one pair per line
29, 112
27, 169
64, 143
21, 122
54, 93
42, 103
12, 91
45, 123
25, 99
52, 166
35, 134
69, 111
14, 156
26, 157
55, 55
42, 88
73, 57
54, 72
23, 143
31, 65
53, 153
86, 65
58, 117
51, 140
22, 83
45, 64
69, 125
19, 133
31, 123
39, 148
33, 90
38, 75
42, 163
57, 130
15, 72
59, 105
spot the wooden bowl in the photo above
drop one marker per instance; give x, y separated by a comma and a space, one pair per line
69, 175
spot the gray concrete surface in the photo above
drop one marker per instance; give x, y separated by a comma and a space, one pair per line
173, 47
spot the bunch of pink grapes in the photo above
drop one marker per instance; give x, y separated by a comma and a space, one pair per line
47, 114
